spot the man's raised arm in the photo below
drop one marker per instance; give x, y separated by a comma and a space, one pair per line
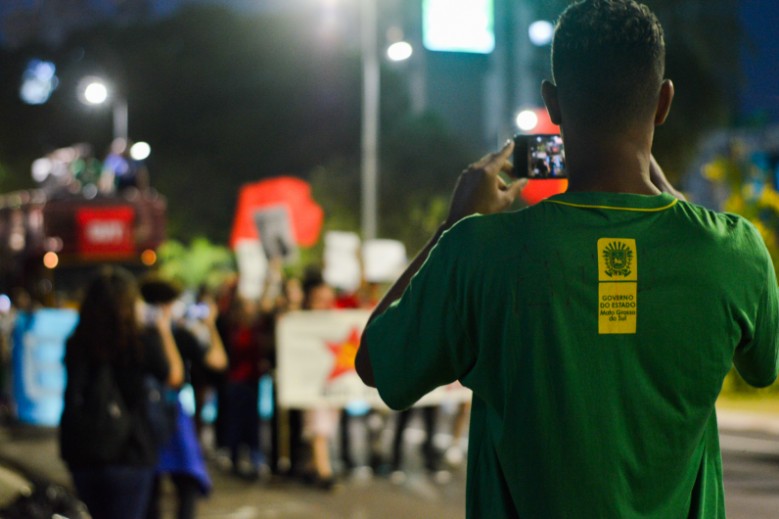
479, 189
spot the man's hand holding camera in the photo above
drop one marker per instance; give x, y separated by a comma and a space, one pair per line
480, 188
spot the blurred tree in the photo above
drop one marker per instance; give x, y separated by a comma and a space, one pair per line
198, 263
744, 171
421, 162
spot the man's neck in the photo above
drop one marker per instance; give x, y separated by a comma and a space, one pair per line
620, 166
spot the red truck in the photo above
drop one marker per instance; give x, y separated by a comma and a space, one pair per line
51, 243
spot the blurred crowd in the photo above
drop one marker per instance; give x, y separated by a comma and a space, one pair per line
77, 170
228, 418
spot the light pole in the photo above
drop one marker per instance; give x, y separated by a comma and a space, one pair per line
370, 120
120, 117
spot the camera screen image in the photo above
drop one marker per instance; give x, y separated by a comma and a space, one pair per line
546, 157
539, 157
198, 312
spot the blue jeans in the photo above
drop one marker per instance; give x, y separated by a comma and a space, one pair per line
115, 492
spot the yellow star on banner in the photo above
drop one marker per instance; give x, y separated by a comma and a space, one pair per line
344, 352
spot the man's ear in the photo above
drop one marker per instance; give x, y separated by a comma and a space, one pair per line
549, 93
664, 102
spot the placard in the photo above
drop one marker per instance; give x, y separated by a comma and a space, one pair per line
384, 260
315, 353
275, 229
342, 263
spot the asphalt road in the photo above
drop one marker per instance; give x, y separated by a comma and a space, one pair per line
750, 461
750, 464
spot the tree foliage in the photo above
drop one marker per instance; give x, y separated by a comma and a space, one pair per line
200, 263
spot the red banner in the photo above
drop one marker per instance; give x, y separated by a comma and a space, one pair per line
105, 230
305, 214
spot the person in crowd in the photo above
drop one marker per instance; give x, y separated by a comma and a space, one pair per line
181, 457
595, 328
249, 342
204, 377
319, 424
280, 294
121, 172
458, 446
359, 413
430, 455
225, 301
116, 482
293, 296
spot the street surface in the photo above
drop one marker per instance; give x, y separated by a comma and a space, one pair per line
750, 464
750, 460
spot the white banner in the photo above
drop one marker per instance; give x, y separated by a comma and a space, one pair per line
252, 268
342, 260
315, 362
384, 260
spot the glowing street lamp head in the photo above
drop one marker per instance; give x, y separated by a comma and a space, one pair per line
541, 32
140, 151
96, 93
93, 91
527, 120
400, 51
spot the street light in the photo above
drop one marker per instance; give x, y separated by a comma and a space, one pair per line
400, 51
540, 33
140, 151
95, 91
527, 120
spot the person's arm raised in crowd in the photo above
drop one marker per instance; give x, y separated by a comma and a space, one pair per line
657, 177
272, 285
479, 189
172, 355
216, 356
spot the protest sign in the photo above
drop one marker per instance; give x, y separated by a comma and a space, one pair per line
315, 355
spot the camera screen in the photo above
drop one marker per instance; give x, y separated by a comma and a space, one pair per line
546, 157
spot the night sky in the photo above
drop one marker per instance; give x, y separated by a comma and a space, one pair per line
760, 57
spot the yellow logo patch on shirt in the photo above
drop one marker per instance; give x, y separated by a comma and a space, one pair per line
617, 285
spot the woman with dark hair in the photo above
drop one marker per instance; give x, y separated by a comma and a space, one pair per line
114, 478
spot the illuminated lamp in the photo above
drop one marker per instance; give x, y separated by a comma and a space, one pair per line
148, 257
51, 260
400, 51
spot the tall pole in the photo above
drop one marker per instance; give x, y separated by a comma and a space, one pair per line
120, 116
370, 120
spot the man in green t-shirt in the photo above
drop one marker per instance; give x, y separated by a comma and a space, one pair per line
595, 328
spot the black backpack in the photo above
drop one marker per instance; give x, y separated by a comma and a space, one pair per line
161, 407
96, 425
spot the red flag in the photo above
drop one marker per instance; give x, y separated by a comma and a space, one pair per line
306, 215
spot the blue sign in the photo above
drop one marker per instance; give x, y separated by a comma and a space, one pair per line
39, 372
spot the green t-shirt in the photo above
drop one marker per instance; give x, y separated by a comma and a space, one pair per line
595, 331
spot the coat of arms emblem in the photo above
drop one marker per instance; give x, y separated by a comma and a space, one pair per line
618, 257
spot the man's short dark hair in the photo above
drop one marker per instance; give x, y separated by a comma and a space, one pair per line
608, 61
